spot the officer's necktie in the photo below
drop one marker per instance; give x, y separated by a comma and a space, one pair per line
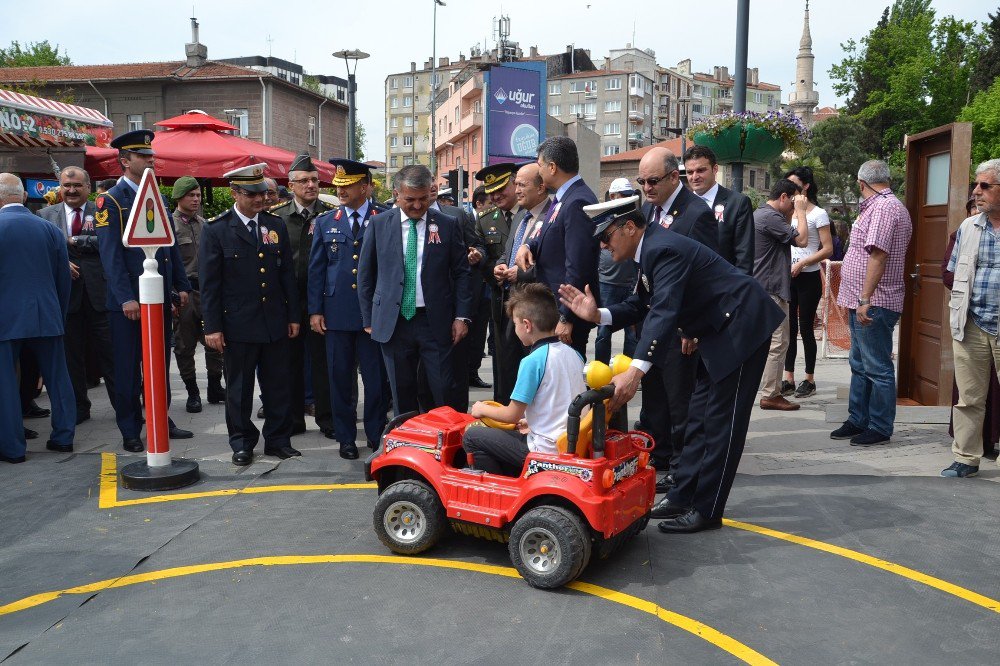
252, 228
77, 225
409, 306
355, 225
518, 238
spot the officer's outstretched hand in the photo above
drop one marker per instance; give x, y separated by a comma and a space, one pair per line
215, 341
582, 303
293, 330
317, 323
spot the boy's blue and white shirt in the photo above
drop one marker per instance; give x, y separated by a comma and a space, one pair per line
548, 379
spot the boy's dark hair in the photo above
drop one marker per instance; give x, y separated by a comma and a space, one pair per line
783, 186
536, 303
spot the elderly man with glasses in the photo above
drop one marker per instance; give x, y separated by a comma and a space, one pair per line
250, 307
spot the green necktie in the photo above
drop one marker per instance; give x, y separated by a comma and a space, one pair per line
409, 306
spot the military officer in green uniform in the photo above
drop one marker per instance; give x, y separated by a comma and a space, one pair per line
299, 216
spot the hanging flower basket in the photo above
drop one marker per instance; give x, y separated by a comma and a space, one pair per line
750, 137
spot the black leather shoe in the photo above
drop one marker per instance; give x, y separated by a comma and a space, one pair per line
298, 429
282, 452
30, 434
372, 445
663, 485
133, 445
13, 460
242, 458
260, 412
328, 433
475, 381
180, 433
692, 521
35, 412
667, 509
193, 405
349, 451
60, 448
81, 417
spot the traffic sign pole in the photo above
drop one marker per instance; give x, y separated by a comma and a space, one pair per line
149, 228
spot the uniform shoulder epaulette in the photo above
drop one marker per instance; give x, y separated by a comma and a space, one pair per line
267, 212
328, 206
217, 217
279, 205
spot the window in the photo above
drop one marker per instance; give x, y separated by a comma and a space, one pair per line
696, 108
408, 140
394, 83
697, 89
238, 117
583, 86
647, 110
588, 109
407, 160
394, 122
312, 130
477, 106
407, 121
612, 129
407, 81
475, 144
393, 102
134, 122
393, 162
633, 81
555, 88
613, 149
753, 178
633, 106
457, 112
555, 110
393, 141
613, 84
612, 105
767, 180
758, 97
407, 100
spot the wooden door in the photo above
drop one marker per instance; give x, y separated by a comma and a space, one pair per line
937, 186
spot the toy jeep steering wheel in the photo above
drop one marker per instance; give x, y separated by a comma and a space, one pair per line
492, 423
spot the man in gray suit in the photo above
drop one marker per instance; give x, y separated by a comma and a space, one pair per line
413, 289
87, 322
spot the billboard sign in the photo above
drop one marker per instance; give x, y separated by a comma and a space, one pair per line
515, 105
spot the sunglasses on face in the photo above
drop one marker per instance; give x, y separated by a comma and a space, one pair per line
606, 235
652, 182
984, 186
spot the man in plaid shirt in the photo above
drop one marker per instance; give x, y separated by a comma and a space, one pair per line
872, 288
975, 301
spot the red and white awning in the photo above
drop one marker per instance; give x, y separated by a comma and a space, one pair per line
26, 120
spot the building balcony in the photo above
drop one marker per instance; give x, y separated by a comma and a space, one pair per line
636, 91
636, 137
472, 88
636, 117
467, 124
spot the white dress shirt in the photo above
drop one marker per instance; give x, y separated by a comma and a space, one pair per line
68, 211
643, 366
709, 196
247, 220
421, 234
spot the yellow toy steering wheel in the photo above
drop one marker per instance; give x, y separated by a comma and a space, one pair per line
492, 423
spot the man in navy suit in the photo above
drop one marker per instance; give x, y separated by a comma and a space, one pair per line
123, 266
87, 323
667, 388
335, 312
565, 251
249, 302
35, 283
414, 289
726, 314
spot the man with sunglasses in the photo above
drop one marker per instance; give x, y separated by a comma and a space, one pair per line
975, 304
872, 289
665, 396
684, 285
250, 307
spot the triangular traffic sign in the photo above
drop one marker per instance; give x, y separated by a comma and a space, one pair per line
148, 224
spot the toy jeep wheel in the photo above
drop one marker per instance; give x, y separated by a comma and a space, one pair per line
549, 546
409, 518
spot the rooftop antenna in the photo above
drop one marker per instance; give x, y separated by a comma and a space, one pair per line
269, 41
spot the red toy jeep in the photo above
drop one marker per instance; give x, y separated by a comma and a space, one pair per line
560, 509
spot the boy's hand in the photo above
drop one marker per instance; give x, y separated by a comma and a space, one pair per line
582, 303
522, 427
477, 409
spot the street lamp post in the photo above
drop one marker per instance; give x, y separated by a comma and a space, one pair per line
352, 88
434, 88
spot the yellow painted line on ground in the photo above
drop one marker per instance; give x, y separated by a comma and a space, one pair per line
108, 496
884, 565
699, 629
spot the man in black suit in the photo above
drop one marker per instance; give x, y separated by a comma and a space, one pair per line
413, 289
249, 302
87, 321
565, 251
533, 202
732, 210
726, 314
667, 387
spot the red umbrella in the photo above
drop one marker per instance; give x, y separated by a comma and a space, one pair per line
195, 119
196, 150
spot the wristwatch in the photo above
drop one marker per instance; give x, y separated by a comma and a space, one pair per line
864, 301
563, 319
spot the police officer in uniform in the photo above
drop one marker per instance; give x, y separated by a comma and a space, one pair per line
188, 329
335, 312
299, 216
250, 307
123, 266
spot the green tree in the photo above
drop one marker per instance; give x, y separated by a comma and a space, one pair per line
988, 65
838, 143
984, 114
359, 142
32, 54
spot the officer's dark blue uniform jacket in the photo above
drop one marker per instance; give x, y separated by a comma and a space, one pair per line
247, 291
123, 265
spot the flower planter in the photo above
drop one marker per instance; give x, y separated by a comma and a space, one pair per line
742, 143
